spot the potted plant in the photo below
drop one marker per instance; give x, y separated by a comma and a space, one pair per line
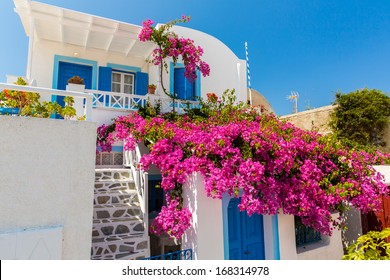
76, 83
151, 89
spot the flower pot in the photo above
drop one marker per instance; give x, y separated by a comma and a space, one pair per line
75, 87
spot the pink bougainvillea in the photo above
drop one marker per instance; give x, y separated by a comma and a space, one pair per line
171, 46
172, 219
273, 165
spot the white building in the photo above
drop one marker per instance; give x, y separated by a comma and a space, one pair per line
108, 55
110, 58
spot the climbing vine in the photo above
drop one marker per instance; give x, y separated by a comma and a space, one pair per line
171, 46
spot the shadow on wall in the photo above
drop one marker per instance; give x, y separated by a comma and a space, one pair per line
189, 239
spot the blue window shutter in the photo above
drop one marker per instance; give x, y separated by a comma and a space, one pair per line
141, 83
105, 74
190, 89
179, 83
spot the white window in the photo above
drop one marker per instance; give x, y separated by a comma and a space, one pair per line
122, 82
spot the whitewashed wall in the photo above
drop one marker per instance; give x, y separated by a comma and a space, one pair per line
44, 52
205, 236
329, 248
227, 71
46, 187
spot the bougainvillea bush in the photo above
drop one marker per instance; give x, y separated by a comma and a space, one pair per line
273, 165
171, 46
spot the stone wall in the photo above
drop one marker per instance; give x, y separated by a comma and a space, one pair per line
316, 118
319, 118
46, 185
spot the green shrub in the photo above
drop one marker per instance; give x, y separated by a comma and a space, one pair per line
29, 105
371, 246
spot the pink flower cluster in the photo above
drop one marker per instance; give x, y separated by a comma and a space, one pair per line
146, 31
173, 219
171, 46
105, 139
273, 165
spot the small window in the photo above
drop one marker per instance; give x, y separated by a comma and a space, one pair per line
122, 82
305, 235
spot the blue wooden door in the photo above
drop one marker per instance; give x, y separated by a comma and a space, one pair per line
246, 234
67, 70
184, 88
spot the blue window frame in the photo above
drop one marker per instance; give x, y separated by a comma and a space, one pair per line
140, 82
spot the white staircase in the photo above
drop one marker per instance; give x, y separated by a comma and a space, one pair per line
120, 218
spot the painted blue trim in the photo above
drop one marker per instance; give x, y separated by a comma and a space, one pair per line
76, 60
172, 77
198, 84
275, 231
176, 256
9, 111
154, 177
117, 149
113, 149
124, 67
225, 203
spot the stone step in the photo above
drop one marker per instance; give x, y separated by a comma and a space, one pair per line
119, 247
114, 197
117, 227
113, 186
113, 175
119, 210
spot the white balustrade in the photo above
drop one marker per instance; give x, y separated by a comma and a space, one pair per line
168, 104
110, 100
132, 160
117, 101
123, 101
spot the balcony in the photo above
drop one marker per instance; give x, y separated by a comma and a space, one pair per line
82, 99
104, 100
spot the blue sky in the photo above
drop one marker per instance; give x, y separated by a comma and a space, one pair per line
314, 47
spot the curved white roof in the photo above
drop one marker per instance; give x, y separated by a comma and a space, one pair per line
71, 27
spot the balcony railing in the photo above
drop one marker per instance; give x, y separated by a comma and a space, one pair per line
117, 101
182, 255
168, 104
108, 100
123, 101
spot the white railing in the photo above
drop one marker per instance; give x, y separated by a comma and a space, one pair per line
168, 104
109, 100
118, 101
48, 91
123, 101
132, 159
